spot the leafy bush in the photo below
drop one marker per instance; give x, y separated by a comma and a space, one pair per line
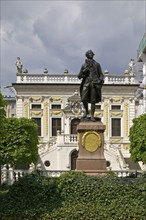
75, 196
29, 197
137, 138
18, 144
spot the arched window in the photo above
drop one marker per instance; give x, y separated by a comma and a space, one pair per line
74, 157
74, 124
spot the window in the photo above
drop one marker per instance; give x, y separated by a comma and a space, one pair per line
36, 106
47, 163
38, 121
115, 107
108, 163
56, 106
116, 127
13, 106
56, 125
74, 124
74, 157
98, 107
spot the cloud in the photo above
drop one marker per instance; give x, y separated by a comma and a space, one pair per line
56, 34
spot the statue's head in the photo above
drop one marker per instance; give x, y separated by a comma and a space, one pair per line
89, 54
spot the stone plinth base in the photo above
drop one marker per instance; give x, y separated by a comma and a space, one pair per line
95, 172
91, 158
91, 164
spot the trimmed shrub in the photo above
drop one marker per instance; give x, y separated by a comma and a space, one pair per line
75, 196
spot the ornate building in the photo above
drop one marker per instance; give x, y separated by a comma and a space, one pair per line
53, 101
141, 92
11, 106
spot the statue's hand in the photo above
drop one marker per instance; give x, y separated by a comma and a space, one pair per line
86, 71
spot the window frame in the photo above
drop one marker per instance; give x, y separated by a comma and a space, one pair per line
59, 119
115, 129
39, 127
33, 104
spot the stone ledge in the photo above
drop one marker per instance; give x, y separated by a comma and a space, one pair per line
88, 125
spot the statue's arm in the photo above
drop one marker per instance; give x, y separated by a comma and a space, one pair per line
101, 76
83, 72
80, 73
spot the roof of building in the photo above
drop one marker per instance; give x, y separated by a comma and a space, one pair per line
142, 47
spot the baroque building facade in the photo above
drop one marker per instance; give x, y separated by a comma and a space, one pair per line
141, 92
53, 102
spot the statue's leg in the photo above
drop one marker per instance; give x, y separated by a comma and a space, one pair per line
92, 109
85, 97
85, 103
93, 101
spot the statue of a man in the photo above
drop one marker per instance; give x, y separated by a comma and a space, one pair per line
92, 81
131, 67
19, 65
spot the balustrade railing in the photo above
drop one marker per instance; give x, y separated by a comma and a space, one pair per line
9, 176
70, 79
70, 138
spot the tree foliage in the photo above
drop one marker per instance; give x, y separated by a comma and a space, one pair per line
2, 105
2, 110
137, 138
2, 116
19, 141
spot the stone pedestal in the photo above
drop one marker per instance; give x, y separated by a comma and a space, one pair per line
91, 158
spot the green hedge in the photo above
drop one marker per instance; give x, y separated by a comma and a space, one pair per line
75, 196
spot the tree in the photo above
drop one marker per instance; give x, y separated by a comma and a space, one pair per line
2, 105
2, 109
2, 115
137, 138
19, 142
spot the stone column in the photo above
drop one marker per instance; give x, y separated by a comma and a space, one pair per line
91, 158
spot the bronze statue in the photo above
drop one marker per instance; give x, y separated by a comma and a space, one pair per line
92, 81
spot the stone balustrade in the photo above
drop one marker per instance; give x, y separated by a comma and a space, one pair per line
9, 176
63, 139
51, 79
71, 79
70, 138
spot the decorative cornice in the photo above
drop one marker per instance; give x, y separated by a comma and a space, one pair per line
117, 99
98, 114
38, 113
116, 140
126, 146
56, 98
120, 114
36, 99
54, 112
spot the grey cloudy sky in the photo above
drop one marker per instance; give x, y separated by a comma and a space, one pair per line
56, 34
